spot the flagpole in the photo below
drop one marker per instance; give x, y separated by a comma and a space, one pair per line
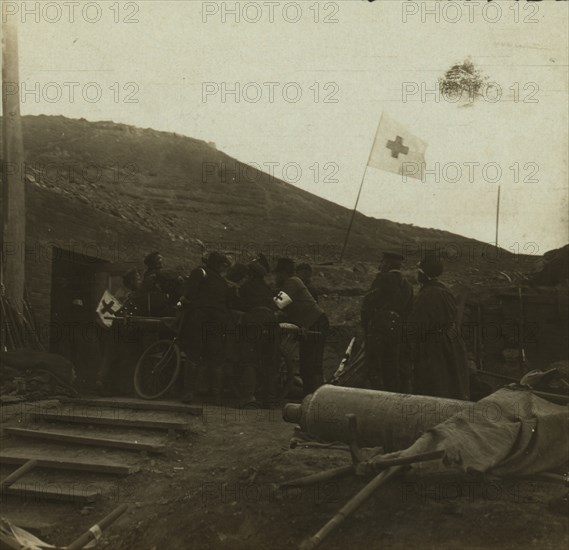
359, 192
497, 215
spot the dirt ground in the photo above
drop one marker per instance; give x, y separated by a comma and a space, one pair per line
217, 488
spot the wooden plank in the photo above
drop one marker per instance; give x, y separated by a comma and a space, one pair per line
38, 491
542, 299
137, 404
20, 472
61, 437
120, 422
77, 465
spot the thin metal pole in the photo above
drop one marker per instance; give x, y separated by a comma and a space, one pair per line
497, 215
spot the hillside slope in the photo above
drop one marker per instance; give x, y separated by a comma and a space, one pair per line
185, 189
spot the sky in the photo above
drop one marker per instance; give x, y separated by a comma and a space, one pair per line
313, 79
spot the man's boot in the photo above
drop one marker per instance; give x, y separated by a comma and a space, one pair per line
190, 379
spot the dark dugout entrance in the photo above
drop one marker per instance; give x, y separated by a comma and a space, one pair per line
77, 284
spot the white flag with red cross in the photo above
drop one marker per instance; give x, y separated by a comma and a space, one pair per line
397, 150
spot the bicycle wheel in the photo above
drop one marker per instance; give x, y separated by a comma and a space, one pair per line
157, 369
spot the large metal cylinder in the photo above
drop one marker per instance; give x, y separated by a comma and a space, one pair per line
390, 420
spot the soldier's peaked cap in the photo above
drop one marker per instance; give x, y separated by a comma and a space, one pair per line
257, 268
431, 265
151, 258
216, 260
393, 255
285, 264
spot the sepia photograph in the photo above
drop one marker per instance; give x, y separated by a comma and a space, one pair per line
284, 275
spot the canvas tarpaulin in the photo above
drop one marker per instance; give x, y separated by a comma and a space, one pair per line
15, 536
508, 433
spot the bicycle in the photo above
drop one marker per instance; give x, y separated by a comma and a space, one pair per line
159, 366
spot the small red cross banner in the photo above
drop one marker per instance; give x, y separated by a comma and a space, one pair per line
397, 150
107, 309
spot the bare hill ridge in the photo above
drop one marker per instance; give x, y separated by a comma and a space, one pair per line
185, 189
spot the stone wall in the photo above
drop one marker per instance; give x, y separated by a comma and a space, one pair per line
57, 224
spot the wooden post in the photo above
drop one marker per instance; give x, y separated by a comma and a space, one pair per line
359, 194
13, 236
346, 238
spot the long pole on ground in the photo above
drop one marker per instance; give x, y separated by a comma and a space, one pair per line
358, 197
497, 215
349, 508
94, 533
13, 231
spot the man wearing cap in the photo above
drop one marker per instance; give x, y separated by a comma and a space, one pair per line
439, 355
300, 307
206, 303
383, 314
154, 263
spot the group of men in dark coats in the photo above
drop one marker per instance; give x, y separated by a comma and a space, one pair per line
217, 307
413, 344
229, 316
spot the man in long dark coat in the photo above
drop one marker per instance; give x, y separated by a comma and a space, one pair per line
258, 338
205, 302
384, 311
299, 307
439, 355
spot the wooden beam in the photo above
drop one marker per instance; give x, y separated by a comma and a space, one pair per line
137, 404
76, 465
48, 491
20, 472
13, 230
86, 440
119, 422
